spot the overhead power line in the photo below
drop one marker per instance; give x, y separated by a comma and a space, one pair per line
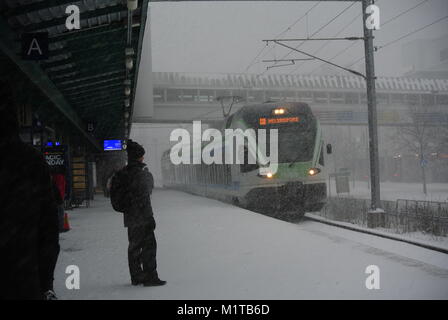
316, 39
383, 24
411, 33
337, 16
280, 34
278, 60
328, 42
335, 56
298, 20
403, 13
318, 30
323, 60
402, 37
255, 59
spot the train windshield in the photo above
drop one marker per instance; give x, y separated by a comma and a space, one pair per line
295, 139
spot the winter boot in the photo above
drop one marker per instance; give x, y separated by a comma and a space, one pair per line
50, 295
154, 283
136, 281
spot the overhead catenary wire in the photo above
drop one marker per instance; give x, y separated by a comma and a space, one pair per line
402, 37
336, 55
353, 44
253, 61
404, 12
299, 19
412, 32
316, 32
346, 48
328, 42
383, 24
321, 28
326, 61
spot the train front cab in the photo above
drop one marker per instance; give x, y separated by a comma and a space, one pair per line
300, 187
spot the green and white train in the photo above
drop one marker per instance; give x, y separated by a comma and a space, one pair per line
298, 185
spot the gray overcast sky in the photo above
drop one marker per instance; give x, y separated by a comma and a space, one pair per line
226, 36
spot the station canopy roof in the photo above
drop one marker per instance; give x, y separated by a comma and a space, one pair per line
85, 74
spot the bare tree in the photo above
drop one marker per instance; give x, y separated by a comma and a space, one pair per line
419, 135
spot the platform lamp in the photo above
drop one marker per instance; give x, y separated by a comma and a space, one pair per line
132, 5
127, 88
129, 52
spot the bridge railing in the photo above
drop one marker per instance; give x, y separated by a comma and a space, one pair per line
303, 81
401, 216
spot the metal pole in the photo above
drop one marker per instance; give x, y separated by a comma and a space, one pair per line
372, 115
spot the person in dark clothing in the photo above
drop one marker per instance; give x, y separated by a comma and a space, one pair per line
29, 238
60, 205
139, 219
59, 192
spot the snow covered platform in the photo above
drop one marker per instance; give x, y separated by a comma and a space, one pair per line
212, 250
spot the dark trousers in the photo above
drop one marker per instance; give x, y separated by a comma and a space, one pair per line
47, 269
142, 252
61, 213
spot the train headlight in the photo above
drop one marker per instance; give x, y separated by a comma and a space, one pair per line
279, 111
268, 175
313, 171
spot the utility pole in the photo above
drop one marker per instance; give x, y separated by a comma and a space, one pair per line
376, 214
375, 211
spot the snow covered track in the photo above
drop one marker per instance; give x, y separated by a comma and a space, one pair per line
211, 250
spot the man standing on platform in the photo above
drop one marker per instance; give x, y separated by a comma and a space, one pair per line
139, 218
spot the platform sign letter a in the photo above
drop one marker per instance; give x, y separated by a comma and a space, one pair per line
35, 46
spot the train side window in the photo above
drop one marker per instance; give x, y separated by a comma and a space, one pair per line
215, 172
218, 168
227, 174
246, 166
203, 174
207, 173
321, 157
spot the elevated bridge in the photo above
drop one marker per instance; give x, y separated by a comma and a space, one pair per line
335, 99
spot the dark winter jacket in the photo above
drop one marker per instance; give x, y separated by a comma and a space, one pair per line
29, 237
140, 185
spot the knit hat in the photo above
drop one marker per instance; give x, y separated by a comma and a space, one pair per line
134, 150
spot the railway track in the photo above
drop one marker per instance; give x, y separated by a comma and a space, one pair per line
375, 233
290, 217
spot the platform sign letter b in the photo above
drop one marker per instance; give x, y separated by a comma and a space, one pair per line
35, 46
